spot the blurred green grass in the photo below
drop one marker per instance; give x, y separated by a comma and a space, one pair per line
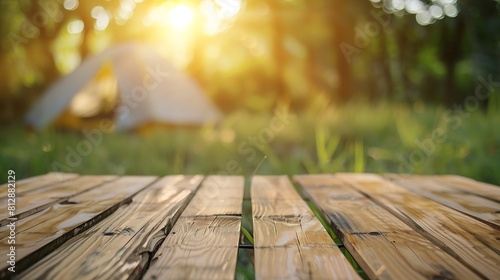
355, 138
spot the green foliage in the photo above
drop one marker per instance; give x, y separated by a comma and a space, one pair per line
356, 138
247, 234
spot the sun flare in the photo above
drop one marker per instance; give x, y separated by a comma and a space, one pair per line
180, 17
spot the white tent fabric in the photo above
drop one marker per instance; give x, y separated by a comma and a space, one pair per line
150, 89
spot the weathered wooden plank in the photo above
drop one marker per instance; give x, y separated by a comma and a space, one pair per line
471, 186
204, 247
39, 199
119, 247
384, 246
290, 242
40, 234
483, 209
470, 241
203, 244
33, 183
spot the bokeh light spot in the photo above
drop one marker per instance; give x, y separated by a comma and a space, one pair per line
75, 26
451, 10
70, 5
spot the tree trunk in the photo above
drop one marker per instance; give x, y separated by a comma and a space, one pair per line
386, 67
403, 46
196, 65
343, 33
283, 97
450, 54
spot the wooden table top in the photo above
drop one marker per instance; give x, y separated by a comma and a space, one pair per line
70, 226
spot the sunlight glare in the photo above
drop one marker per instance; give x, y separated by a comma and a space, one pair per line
207, 7
228, 8
180, 17
212, 25
218, 15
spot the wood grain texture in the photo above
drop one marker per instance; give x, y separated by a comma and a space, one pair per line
203, 244
470, 241
476, 206
41, 198
42, 233
290, 242
469, 185
384, 246
33, 183
119, 247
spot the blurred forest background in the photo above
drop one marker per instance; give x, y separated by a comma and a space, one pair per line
373, 85
256, 54
399, 86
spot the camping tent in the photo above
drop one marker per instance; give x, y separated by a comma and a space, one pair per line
149, 89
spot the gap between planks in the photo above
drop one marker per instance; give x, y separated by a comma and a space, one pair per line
121, 245
31, 202
41, 233
290, 242
382, 244
203, 243
474, 243
444, 192
29, 184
